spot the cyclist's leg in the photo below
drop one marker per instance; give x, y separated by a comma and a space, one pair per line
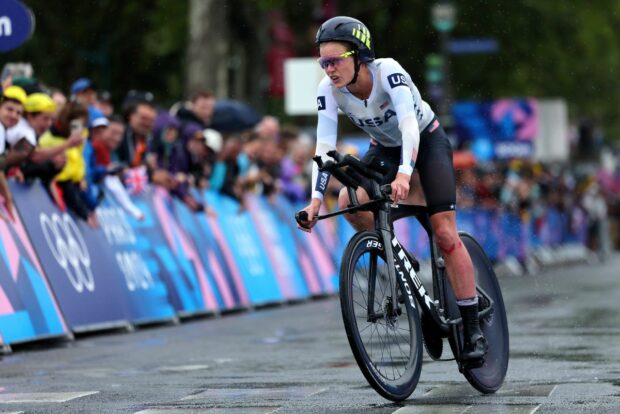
360, 220
438, 182
390, 159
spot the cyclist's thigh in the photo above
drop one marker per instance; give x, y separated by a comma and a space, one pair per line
436, 170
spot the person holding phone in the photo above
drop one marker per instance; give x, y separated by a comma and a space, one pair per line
71, 124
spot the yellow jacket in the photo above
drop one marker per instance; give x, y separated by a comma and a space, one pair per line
75, 169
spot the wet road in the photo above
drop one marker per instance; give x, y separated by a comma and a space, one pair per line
565, 357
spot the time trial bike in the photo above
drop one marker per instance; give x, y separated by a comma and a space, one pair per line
387, 311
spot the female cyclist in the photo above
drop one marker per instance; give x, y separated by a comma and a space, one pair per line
379, 96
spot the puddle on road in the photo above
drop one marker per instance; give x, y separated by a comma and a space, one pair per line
228, 394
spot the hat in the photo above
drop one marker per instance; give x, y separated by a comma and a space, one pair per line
16, 93
213, 139
81, 85
100, 122
39, 102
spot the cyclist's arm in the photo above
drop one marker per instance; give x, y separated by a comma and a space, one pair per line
394, 82
326, 135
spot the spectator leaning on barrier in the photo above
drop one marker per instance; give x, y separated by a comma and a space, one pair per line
11, 109
71, 122
186, 165
104, 146
44, 163
165, 135
134, 146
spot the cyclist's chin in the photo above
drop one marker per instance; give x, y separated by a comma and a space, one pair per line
339, 82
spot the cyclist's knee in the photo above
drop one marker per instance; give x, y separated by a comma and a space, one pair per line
448, 240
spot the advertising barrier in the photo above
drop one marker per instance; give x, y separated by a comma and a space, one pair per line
84, 276
57, 275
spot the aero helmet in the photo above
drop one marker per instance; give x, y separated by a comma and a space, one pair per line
348, 29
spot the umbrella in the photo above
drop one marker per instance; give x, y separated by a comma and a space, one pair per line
233, 116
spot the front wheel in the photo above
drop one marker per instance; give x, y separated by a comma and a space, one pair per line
387, 344
490, 377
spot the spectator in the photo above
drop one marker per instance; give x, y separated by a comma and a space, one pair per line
133, 148
199, 110
186, 164
71, 122
83, 90
44, 163
59, 99
104, 146
94, 172
11, 108
104, 103
296, 171
165, 134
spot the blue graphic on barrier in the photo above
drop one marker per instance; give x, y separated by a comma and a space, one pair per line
220, 278
244, 242
81, 271
278, 240
28, 309
181, 286
147, 293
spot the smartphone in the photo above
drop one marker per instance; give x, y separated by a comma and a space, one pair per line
76, 125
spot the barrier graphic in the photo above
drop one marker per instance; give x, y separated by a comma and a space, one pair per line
58, 275
28, 308
88, 286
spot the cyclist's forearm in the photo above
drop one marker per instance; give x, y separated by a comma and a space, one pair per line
320, 178
411, 143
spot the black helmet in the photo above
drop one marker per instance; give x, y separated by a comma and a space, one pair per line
348, 29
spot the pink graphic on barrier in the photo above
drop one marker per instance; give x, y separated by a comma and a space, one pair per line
323, 260
12, 251
5, 305
221, 241
306, 265
279, 268
171, 228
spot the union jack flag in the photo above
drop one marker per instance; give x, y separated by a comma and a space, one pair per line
136, 179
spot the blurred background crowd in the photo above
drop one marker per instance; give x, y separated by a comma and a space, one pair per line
222, 126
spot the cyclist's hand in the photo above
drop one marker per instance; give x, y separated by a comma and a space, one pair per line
312, 210
400, 187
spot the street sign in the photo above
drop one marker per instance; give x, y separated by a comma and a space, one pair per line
16, 24
473, 45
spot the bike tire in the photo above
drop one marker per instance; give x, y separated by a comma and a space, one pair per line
374, 359
490, 377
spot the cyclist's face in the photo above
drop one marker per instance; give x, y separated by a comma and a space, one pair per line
341, 71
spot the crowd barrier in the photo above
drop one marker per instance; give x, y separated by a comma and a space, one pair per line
58, 276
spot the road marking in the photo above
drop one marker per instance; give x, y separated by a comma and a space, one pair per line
236, 410
514, 390
462, 409
227, 394
43, 397
432, 409
183, 368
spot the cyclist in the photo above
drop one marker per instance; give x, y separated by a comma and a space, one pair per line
379, 96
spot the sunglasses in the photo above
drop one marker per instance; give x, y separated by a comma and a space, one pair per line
324, 62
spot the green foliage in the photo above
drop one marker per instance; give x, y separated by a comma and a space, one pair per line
548, 48
121, 45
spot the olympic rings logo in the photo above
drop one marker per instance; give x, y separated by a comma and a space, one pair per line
69, 249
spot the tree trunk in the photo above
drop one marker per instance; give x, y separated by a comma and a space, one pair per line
208, 48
